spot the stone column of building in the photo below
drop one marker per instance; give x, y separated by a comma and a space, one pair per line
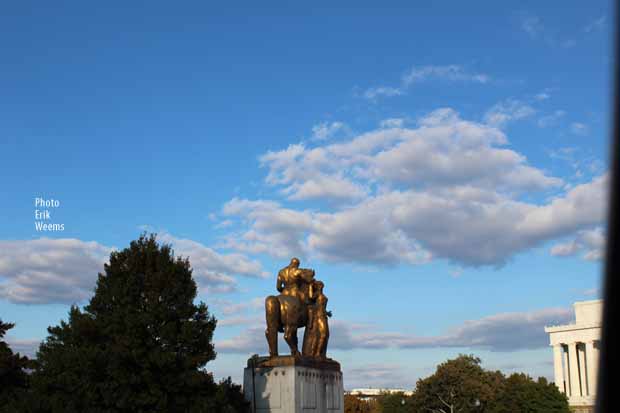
573, 370
565, 370
592, 365
583, 366
557, 366
578, 352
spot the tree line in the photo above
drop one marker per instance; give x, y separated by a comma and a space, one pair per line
141, 344
462, 385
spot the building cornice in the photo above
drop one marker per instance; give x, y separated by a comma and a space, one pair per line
571, 327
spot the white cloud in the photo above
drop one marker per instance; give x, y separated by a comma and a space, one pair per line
228, 307
25, 347
592, 292
240, 321
452, 73
506, 111
579, 128
591, 243
419, 74
382, 91
365, 234
582, 166
214, 271
566, 153
379, 375
224, 224
44, 270
314, 176
444, 148
272, 229
565, 249
551, 119
466, 225
582, 207
446, 189
326, 130
348, 336
536, 30
334, 186
392, 123
230, 313
542, 96
47, 270
448, 151
499, 332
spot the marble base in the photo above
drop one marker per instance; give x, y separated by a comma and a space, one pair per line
289, 385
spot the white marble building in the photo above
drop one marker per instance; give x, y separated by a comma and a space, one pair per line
368, 393
576, 354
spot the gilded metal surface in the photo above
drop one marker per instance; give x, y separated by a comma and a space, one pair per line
301, 303
283, 361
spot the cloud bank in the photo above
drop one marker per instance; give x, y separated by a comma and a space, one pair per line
419, 74
502, 332
447, 188
43, 271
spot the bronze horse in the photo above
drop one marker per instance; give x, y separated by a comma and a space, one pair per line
288, 311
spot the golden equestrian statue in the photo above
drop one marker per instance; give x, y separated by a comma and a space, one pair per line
301, 303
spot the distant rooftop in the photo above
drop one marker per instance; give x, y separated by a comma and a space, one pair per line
373, 391
588, 314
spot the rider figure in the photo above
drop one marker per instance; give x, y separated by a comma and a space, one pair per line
294, 281
288, 311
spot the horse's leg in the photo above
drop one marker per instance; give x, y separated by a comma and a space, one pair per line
272, 316
290, 336
290, 320
320, 350
306, 348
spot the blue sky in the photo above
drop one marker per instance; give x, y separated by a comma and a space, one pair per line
442, 167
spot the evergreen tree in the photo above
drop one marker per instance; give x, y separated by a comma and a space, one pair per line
140, 345
229, 398
13, 376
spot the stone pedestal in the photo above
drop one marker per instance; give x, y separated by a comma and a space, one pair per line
288, 385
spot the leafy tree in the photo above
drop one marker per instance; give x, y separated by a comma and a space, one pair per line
13, 376
396, 402
140, 345
522, 394
354, 404
459, 385
462, 385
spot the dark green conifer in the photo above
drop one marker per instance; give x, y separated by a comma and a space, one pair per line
13, 376
140, 345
